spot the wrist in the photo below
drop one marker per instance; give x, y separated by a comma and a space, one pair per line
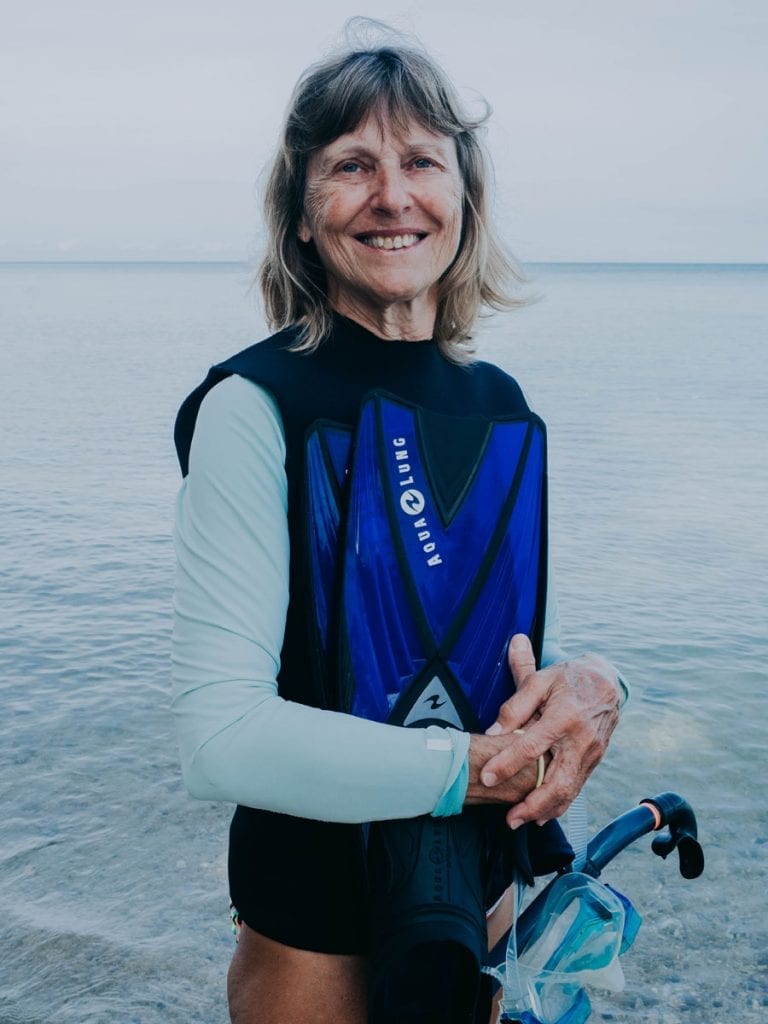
606, 675
508, 791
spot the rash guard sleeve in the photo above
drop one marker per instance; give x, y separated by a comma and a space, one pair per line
239, 740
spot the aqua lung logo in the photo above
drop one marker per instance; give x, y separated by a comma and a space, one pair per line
412, 502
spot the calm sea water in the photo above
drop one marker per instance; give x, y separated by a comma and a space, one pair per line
654, 384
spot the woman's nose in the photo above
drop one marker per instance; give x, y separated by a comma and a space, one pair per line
391, 193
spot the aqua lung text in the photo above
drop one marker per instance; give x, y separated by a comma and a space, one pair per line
412, 502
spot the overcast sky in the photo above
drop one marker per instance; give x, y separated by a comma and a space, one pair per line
622, 130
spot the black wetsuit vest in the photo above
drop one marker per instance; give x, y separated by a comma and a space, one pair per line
331, 384
268, 852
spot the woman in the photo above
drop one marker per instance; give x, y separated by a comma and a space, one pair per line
380, 258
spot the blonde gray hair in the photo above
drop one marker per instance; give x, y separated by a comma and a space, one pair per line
332, 98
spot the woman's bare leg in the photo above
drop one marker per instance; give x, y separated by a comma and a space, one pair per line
269, 983
499, 922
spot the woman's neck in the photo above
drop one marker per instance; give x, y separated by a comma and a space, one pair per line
398, 322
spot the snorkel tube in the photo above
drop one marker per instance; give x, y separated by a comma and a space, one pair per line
650, 816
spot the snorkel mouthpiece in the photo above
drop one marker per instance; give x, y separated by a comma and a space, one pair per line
678, 815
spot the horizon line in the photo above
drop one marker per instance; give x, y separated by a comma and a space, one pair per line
246, 263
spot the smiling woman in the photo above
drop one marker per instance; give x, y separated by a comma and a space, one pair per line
389, 120
360, 533
383, 208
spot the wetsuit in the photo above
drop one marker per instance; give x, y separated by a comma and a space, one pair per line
302, 881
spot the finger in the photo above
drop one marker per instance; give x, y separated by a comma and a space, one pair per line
517, 711
523, 705
521, 659
564, 780
549, 801
540, 736
508, 762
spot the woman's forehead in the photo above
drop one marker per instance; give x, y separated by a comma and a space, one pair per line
379, 130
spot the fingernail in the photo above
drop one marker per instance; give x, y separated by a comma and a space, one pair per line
519, 641
514, 824
489, 779
493, 730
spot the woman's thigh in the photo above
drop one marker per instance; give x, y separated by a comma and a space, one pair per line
270, 983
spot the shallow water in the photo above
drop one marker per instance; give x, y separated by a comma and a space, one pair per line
653, 383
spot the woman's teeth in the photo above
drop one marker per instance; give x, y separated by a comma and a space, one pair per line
391, 241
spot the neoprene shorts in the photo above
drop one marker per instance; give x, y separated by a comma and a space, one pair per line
302, 883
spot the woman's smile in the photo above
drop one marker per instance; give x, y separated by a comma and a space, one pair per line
384, 211
390, 241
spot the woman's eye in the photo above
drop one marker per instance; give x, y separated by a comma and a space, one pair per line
349, 167
423, 162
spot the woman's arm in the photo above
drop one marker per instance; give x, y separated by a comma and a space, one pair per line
239, 740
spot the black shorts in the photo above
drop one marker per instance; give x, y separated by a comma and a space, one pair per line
302, 883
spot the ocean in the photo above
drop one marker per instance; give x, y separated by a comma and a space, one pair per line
653, 381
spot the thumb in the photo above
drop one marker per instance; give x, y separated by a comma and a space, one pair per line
520, 656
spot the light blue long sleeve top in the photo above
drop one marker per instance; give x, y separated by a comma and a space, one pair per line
239, 740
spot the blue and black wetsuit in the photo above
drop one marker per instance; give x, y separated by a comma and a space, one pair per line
296, 879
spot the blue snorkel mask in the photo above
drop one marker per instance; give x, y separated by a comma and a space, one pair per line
572, 934
581, 926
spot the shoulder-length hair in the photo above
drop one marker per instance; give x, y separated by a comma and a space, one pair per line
333, 98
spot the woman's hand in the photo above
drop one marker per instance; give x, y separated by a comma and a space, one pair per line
515, 786
569, 711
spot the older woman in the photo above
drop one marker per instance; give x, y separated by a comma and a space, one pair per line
381, 256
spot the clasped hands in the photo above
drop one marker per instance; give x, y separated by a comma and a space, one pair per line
568, 712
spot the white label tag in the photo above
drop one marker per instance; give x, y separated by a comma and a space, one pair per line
437, 744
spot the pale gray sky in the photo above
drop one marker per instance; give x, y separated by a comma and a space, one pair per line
621, 130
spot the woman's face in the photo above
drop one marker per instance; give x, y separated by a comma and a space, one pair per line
384, 211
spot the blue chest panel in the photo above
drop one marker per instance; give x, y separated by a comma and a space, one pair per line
427, 546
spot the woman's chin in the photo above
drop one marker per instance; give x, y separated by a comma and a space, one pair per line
389, 295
